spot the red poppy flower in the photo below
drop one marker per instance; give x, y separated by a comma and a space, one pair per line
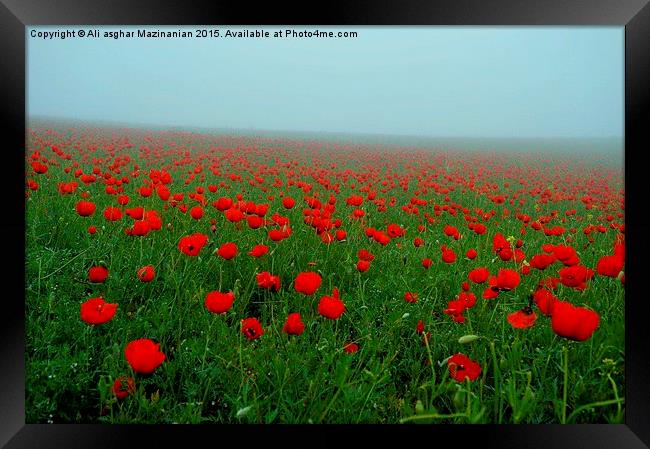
411, 297
97, 274
490, 293
354, 200
223, 204
575, 276
276, 235
97, 311
480, 228
544, 300
519, 256
505, 254
288, 202
123, 386
426, 263
462, 367
364, 254
137, 213
541, 261
394, 230
358, 213
566, 254
350, 348
217, 302
141, 228
419, 328
258, 251
85, 208
154, 220
468, 297
268, 281
227, 250
145, 191
112, 213
163, 192
147, 273
326, 238
307, 283
619, 247
294, 324
448, 255
507, 279
479, 275
417, 242
254, 222
450, 231
523, 318
471, 254
363, 266
39, 168
92, 229
144, 356
192, 244
500, 244
234, 215
196, 212
331, 306
381, 238
548, 248
574, 323
455, 309
610, 266
251, 328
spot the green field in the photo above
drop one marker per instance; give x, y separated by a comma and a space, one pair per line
212, 373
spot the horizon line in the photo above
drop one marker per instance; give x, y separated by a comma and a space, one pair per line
241, 130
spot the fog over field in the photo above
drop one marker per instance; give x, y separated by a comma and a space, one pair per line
600, 150
474, 83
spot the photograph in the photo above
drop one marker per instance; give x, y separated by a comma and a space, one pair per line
325, 224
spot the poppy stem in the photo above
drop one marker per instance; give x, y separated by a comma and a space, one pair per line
65, 264
468, 392
140, 262
497, 382
241, 365
566, 382
207, 342
433, 370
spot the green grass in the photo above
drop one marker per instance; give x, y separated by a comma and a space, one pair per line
212, 374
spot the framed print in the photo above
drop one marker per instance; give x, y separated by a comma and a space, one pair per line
419, 220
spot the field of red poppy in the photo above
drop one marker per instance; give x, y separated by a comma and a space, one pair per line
177, 277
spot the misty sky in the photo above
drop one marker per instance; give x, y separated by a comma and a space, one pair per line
431, 81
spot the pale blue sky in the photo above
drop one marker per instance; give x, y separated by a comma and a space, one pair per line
430, 81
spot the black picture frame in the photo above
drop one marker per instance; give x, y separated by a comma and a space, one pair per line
634, 15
